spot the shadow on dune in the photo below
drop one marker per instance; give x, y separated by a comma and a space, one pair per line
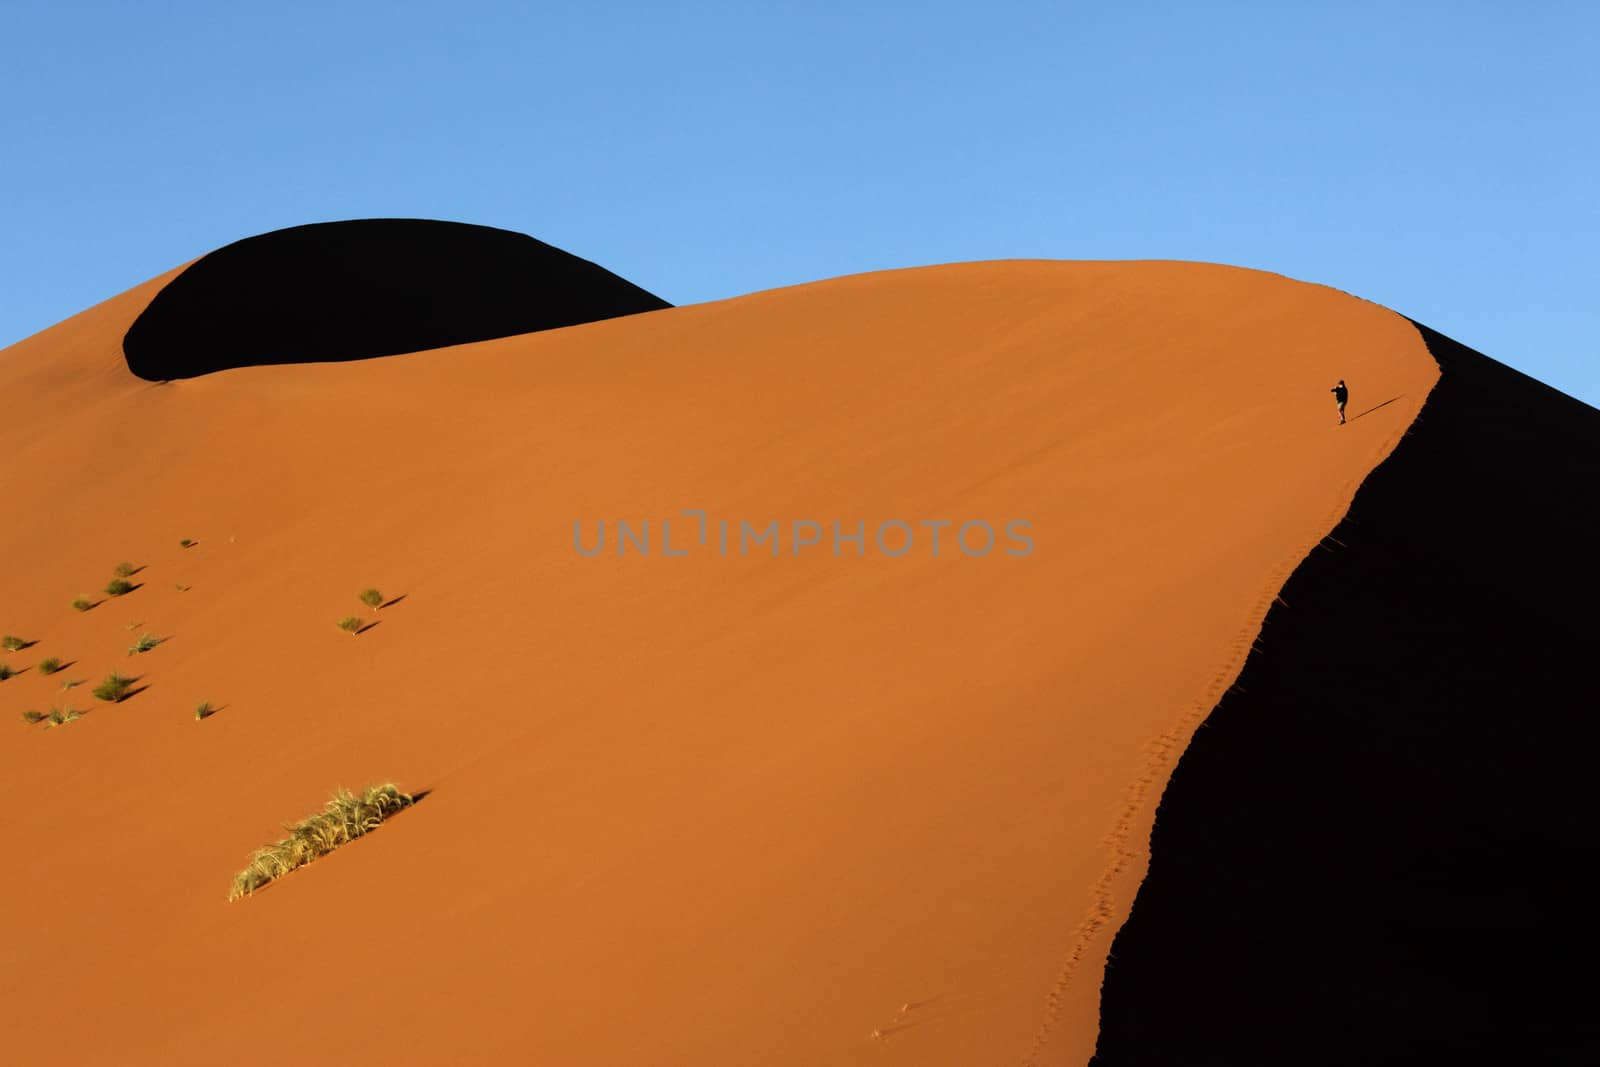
336, 291
1375, 407
1370, 851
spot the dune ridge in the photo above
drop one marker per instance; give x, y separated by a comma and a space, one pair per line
813, 808
1375, 840
1128, 840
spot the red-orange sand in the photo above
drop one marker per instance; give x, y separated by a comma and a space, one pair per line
703, 810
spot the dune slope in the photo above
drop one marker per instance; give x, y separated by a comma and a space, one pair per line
366, 287
835, 805
1372, 851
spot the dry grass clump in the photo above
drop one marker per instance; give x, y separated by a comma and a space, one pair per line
125, 570
5, 672
119, 587
350, 624
114, 689
50, 664
13, 643
82, 603
145, 643
371, 598
345, 818
56, 717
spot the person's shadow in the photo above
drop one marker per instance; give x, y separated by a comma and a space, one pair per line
1375, 407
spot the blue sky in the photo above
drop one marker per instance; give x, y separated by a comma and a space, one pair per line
1438, 158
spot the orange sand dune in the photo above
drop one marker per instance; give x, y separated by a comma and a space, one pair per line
708, 809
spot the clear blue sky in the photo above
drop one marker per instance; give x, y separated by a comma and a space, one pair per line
1439, 158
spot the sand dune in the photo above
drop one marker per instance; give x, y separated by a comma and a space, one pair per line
703, 809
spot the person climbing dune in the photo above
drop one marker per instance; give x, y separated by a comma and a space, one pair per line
1340, 395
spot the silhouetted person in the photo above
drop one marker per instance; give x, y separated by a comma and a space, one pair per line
1340, 396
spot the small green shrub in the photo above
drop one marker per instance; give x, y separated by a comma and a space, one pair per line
205, 710
371, 598
145, 643
118, 587
13, 643
345, 818
5, 671
30, 717
349, 624
61, 718
82, 603
114, 689
125, 570
50, 665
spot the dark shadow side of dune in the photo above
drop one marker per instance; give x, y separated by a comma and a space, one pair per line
335, 291
1370, 853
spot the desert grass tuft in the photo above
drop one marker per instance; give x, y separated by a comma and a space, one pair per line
145, 643
82, 603
205, 710
50, 664
349, 624
13, 643
125, 570
119, 587
114, 689
5, 671
371, 598
61, 718
345, 818
30, 717
187, 542
72, 683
